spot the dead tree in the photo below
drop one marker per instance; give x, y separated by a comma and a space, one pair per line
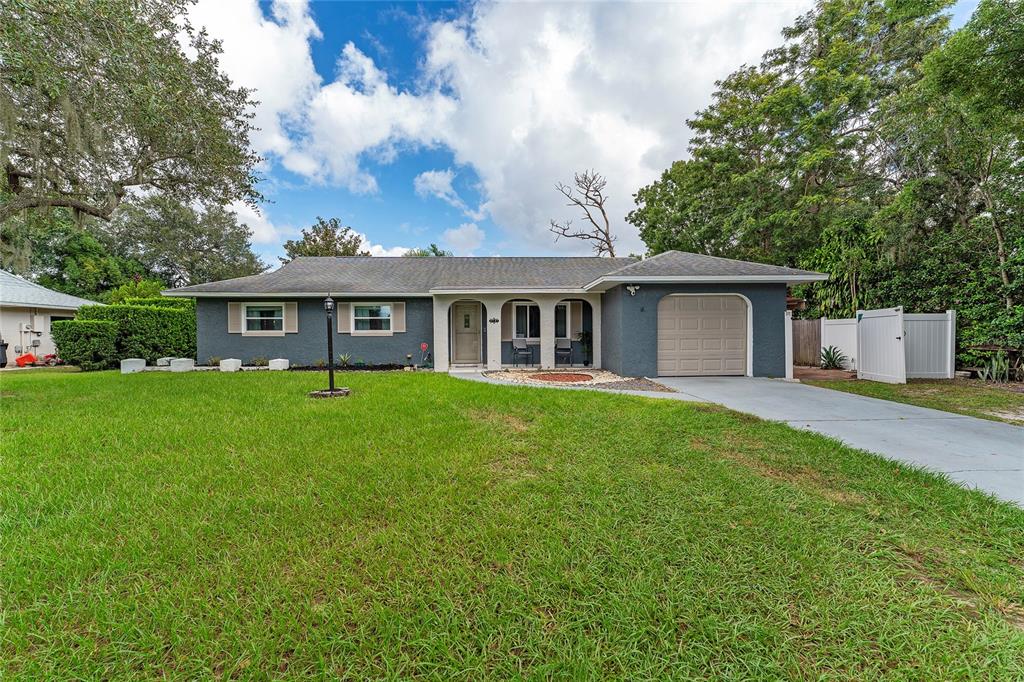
587, 195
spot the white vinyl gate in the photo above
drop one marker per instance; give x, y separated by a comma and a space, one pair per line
880, 348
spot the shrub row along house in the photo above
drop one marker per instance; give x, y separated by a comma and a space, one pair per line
672, 314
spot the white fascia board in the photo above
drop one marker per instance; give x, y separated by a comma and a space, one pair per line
304, 294
45, 306
508, 290
706, 279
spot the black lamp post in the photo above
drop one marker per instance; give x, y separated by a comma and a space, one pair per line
329, 309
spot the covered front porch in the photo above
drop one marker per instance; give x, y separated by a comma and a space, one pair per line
487, 330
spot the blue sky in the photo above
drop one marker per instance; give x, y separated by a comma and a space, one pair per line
452, 122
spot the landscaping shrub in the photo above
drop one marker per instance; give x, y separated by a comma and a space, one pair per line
832, 358
163, 302
89, 344
148, 331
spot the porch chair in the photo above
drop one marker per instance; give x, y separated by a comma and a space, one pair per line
521, 351
563, 351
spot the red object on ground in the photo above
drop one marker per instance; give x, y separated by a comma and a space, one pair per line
562, 377
26, 359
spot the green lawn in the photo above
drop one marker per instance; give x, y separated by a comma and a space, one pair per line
207, 524
972, 397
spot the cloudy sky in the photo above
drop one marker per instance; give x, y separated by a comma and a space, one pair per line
452, 123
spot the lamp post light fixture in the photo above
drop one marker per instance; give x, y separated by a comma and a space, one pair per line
329, 309
330, 392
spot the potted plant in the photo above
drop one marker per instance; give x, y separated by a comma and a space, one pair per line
586, 340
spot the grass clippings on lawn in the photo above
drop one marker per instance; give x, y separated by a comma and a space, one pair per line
225, 525
975, 398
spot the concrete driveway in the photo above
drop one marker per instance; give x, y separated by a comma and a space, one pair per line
974, 452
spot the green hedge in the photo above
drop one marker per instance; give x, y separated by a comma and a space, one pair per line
163, 302
148, 331
90, 344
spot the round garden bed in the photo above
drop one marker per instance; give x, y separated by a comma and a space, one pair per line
562, 377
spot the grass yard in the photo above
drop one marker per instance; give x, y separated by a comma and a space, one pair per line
225, 525
999, 402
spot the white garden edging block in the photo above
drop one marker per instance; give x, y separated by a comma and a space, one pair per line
182, 364
279, 364
132, 365
163, 362
230, 365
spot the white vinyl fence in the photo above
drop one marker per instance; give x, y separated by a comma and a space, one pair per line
931, 345
880, 346
891, 346
843, 335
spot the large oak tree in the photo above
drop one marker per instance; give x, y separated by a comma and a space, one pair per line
102, 97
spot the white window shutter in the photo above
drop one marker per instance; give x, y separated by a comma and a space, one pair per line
234, 318
344, 318
291, 317
398, 316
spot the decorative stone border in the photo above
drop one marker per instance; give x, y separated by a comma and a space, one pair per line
525, 376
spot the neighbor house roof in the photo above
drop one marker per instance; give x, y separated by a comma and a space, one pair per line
366, 275
17, 291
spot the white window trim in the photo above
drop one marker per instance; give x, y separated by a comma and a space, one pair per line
536, 339
258, 332
370, 332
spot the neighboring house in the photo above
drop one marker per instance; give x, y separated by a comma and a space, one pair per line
671, 314
26, 312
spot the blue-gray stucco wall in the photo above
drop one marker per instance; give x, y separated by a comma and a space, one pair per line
309, 345
629, 326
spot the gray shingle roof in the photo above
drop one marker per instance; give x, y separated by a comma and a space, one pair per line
377, 275
682, 264
15, 291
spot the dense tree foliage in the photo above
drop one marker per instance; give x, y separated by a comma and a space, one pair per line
874, 145
180, 244
98, 99
431, 251
151, 245
325, 238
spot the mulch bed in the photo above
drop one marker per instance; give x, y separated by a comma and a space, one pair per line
327, 393
562, 377
817, 373
350, 368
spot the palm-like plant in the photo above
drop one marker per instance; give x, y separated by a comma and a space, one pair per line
832, 358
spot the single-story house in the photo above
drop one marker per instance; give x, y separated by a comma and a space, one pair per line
671, 314
26, 312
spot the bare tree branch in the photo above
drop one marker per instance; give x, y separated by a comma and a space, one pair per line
587, 194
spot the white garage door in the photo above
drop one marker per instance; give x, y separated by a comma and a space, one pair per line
702, 335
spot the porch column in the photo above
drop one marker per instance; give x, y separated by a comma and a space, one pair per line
547, 331
440, 349
595, 324
492, 311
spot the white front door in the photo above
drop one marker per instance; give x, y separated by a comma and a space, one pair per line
466, 333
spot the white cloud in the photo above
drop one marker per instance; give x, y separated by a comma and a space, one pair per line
438, 183
263, 230
524, 94
544, 90
378, 250
270, 55
359, 115
464, 239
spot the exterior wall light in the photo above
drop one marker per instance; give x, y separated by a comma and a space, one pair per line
632, 289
